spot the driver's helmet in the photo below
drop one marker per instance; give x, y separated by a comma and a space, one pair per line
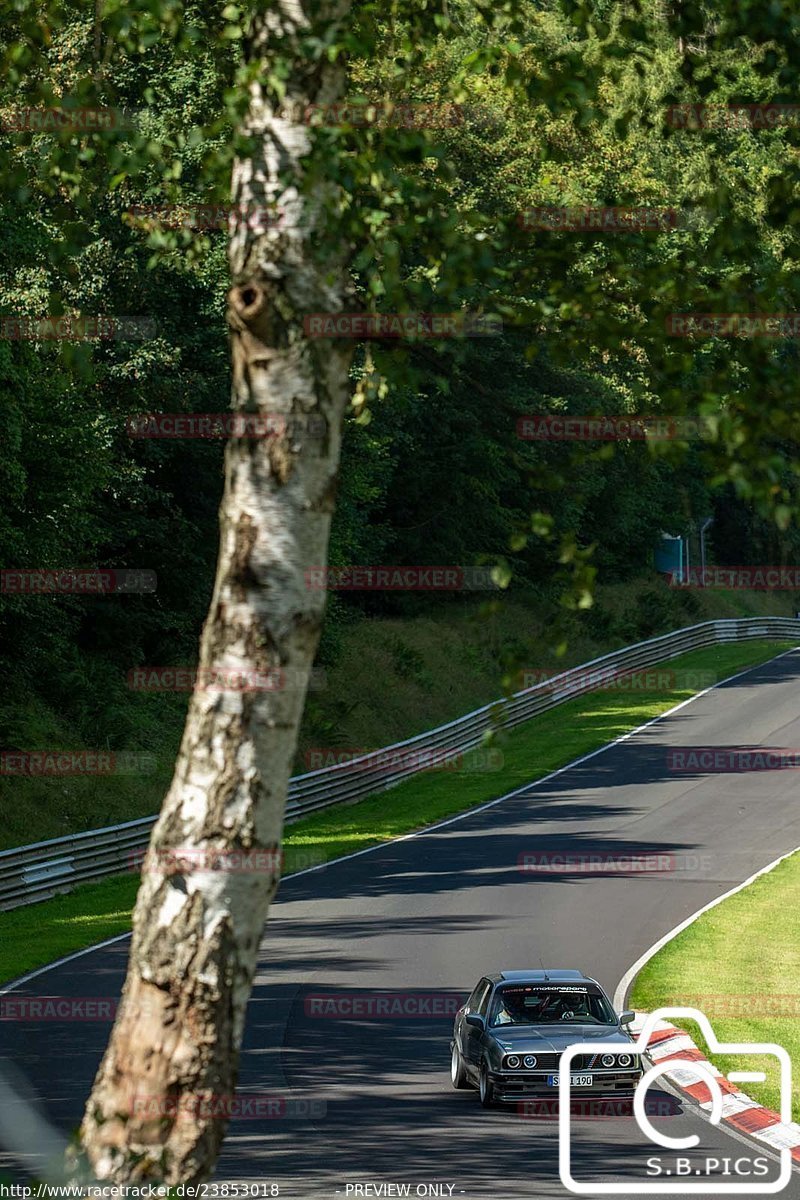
512, 1008
576, 1004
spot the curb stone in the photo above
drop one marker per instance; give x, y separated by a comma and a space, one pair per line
668, 1043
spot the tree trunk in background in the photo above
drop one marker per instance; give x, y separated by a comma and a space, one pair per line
197, 928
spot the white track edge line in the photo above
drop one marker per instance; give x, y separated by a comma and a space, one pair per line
624, 985
627, 979
15, 983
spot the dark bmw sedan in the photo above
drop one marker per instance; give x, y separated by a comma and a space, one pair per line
509, 1036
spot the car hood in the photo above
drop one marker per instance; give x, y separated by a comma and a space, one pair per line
532, 1038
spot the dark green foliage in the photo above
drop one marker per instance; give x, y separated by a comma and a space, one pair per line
564, 104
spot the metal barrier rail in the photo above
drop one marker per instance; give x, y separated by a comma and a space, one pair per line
32, 873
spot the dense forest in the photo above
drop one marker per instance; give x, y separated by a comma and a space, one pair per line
435, 471
498, 292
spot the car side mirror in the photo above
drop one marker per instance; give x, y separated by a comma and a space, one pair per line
475, 1020
627, 1016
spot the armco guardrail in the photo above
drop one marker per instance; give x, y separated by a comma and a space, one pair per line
32, 873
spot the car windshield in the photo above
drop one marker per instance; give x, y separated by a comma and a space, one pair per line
531, 1005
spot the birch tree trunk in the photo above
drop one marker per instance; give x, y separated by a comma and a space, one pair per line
197, 929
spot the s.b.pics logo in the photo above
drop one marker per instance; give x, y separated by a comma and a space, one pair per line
683, 1165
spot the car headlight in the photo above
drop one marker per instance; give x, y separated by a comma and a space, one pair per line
529, 1060
618, 1060
512, 1061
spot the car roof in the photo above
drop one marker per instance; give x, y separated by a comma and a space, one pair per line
556, 975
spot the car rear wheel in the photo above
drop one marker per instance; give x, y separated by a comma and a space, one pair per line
458, 1076
485, 1088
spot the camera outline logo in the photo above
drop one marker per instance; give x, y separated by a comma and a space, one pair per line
704, 1185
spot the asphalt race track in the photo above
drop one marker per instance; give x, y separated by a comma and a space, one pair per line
371, 1095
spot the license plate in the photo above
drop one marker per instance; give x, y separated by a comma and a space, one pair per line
574, 1080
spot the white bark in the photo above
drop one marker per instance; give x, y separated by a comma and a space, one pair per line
197, 931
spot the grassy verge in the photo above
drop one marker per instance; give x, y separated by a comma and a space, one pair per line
30, 937
740, 965
383, 679
39, 933
392, 677
37, 807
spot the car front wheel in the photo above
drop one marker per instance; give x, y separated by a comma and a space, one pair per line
458, 1076
485, 1087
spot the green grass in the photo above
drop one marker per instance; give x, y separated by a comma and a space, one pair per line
385, 679
32, 936
38, 933
394, 676
35, 808
728, 964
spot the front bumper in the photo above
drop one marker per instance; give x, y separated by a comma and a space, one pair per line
511, 1086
